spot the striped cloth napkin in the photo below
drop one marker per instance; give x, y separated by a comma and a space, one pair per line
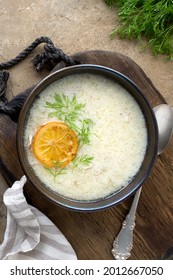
29, 234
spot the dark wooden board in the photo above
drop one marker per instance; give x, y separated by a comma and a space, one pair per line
92, 234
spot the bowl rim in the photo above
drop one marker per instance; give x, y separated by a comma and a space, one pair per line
84, 205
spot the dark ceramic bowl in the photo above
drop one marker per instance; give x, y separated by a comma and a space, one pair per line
151, 151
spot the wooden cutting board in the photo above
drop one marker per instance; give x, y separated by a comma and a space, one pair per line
92, 234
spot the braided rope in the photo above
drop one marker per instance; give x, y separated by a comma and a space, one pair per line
51, 53
48, 57
24, 53
4, 75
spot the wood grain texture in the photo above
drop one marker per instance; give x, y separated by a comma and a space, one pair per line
92, 234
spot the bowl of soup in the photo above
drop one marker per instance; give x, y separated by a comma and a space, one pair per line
87, 137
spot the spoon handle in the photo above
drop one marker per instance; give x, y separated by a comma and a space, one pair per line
123, 243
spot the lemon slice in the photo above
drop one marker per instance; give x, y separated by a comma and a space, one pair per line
55, 143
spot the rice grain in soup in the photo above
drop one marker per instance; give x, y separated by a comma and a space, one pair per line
118, 137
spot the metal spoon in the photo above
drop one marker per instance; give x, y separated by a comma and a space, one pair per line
123, 243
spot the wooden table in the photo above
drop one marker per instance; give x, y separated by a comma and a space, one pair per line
92, 234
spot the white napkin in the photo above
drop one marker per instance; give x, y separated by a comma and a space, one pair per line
29, 233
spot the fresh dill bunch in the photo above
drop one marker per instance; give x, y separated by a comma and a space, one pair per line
152, 19
110, 2
81, 160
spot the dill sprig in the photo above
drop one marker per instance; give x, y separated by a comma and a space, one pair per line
69, 110
84, 132
56, 170
65, 109
81, 160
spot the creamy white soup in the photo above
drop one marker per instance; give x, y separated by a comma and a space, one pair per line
112, 146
